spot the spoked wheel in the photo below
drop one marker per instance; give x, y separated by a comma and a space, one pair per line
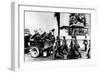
34, 51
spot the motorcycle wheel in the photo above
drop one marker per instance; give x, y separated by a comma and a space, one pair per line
34, 51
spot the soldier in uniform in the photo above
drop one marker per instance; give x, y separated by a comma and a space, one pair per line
57, 50
27, 40
88, 52
85, 42
76, 47
64, 48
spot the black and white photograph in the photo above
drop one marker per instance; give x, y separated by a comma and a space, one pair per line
56, 36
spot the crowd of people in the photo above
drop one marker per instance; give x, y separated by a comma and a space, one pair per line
55, 48
73, 50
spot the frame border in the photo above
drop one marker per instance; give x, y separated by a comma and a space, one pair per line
15, 6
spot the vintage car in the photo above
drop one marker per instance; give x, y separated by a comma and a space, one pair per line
41, 45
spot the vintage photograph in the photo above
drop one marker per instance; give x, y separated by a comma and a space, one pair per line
56, 36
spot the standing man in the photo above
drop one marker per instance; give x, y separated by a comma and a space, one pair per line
64, 46
27, 36
88, 52
76, 47
85, 42
57, 50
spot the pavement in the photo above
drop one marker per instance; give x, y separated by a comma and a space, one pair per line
28, 57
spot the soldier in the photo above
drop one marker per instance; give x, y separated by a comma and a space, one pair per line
64, 49
57, 50
27, 36
76, 47
85, 42
88, 52
71, 53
